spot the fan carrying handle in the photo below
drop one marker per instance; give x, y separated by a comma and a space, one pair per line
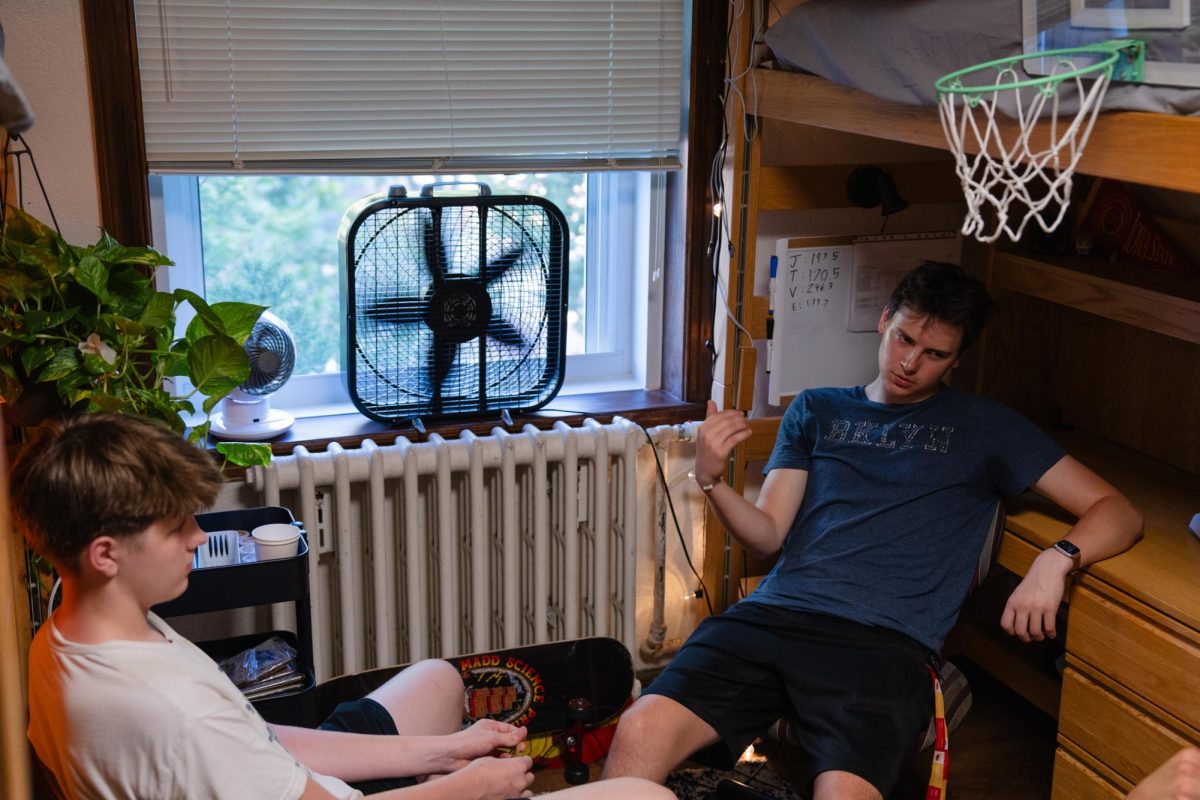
484, 189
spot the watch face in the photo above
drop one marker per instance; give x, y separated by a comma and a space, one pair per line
1067, 548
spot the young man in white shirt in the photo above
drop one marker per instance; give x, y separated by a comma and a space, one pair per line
121, 706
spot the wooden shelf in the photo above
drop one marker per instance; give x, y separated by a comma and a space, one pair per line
790, 188
1160, 570
1156, 301
1153, 149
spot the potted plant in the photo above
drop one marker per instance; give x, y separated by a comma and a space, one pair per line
84, 326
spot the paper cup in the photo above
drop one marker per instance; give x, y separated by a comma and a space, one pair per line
277, 540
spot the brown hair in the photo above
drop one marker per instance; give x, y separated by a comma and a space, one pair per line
948, 294
105, 475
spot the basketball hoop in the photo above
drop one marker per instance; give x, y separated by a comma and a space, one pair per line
1003, 170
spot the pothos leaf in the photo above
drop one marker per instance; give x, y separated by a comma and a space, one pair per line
38, 321
245, 454
217, 365
203, 311
93, 276
107, 402
197, 434
159, 310
34, 357
65, 362
14, 285
145, 256
237, 321
239, 318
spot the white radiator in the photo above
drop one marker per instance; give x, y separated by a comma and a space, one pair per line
466, 545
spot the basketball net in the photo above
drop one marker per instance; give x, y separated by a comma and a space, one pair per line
1008, 178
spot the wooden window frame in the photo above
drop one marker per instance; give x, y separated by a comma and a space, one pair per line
111, 49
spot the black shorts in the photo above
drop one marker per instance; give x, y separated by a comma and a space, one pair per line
366, 716
861, 695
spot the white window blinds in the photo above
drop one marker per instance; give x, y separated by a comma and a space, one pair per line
404, 86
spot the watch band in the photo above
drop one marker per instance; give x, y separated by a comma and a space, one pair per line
707, 488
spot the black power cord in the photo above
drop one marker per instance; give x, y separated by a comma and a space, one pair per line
662, 479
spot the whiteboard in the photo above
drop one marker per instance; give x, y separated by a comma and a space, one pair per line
825, 303
880, 262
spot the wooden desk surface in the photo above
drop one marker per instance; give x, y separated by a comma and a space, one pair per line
1163, 569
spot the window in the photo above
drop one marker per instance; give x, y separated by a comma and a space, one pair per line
273, 240
251, 107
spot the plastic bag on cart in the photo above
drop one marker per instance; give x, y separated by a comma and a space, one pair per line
266, 668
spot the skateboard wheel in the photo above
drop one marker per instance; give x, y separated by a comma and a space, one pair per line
576, 775
579, 708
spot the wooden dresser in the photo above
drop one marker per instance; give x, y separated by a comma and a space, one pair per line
1131, 690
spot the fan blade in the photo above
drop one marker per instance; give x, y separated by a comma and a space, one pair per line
496, 269
505, 332
397, 310
435, 252
441, 358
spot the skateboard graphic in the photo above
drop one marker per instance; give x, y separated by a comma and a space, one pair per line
567, 694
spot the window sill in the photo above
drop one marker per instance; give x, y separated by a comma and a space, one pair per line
344, 408
647, 408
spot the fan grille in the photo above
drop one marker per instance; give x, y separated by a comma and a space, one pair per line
457, 307
272, 356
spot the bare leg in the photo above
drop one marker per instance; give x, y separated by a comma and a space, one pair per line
653, 737
837, 785
424, 699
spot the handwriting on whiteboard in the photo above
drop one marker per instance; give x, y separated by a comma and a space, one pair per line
812, 276
811, 292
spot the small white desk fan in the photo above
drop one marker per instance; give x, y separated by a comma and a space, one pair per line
246, 413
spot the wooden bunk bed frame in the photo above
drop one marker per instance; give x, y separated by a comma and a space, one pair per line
1130, 695
1155, 149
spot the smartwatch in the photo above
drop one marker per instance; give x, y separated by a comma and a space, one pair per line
1070, 551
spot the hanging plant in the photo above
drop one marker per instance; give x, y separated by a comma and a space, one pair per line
88, 323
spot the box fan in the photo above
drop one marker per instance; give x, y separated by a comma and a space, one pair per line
456, 305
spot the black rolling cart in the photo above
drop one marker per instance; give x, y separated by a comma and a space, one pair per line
256, 583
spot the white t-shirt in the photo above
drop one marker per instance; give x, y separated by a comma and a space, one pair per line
153, 720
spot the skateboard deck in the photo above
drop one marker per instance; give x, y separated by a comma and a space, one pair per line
532, 686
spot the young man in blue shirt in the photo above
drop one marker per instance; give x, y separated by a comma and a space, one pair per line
877, 501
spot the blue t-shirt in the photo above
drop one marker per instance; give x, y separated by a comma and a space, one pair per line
898, 503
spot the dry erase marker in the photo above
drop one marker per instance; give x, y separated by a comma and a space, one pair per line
771, 312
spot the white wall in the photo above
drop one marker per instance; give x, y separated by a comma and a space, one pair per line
44, 51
